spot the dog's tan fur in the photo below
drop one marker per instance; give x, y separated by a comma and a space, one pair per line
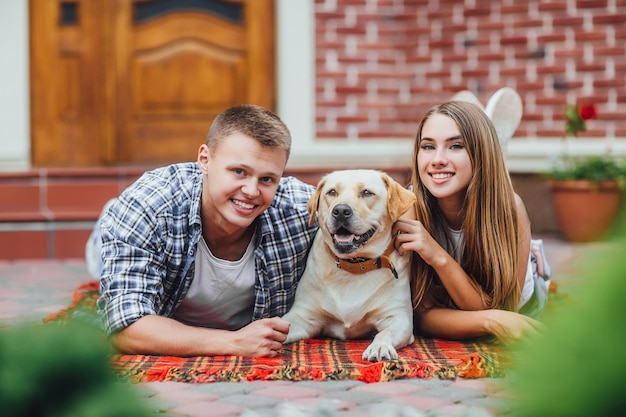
332, 302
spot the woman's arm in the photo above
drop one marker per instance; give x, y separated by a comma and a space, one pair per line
412, 236
458, 324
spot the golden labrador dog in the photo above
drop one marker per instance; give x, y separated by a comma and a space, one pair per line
355, 283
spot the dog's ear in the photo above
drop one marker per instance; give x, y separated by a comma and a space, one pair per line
399, 199
314, 201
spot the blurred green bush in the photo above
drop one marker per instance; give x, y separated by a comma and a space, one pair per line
61, 371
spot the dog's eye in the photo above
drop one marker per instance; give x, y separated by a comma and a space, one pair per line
332, 192
366, 193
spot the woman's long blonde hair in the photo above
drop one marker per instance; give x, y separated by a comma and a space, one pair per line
489, 255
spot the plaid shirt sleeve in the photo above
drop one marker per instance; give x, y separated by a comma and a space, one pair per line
284, 246
147, 248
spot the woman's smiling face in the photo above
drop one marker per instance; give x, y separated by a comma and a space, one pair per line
443, 163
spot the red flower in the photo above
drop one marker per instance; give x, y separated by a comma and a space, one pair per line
587, 111
576, 115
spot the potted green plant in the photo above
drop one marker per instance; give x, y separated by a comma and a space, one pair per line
587, 190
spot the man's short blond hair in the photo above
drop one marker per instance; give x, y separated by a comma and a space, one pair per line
251, 120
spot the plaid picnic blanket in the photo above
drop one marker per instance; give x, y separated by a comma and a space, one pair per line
313, 359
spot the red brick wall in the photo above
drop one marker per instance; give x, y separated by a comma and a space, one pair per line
380, 64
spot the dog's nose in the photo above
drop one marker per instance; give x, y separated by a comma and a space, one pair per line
342, 211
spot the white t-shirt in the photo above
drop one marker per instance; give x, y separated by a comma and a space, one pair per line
221, 295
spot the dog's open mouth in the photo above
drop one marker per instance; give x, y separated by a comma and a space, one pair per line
347, 242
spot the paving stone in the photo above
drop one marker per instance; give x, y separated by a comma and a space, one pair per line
251, 401
261, 412
186, 396
461, 410
387, 388
297, 410
351, 413
494, 405
356, 397
341, 385
390, 409
483, 384
225, 388
160, 405
207, 409
428, 383
424, 403
452, 394
287, 393
324, 405
320, 409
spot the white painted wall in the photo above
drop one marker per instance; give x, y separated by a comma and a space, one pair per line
14, 85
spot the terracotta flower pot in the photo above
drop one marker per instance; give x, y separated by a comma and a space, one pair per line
585, 210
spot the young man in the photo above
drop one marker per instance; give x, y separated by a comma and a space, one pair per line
203, 258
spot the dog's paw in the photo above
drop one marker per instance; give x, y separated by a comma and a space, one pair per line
291, 337
379, 352
296, 332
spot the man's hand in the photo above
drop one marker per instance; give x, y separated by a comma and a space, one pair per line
261, 338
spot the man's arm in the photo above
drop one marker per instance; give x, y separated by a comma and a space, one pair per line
156, 335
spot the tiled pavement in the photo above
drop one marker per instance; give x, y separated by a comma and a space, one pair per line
30, 290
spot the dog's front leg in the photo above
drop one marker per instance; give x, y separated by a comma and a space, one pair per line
396, 335
302, 325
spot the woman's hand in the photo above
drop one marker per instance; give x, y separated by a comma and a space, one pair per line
411, 235
509, 326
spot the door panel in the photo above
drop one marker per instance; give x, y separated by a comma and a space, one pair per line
199, 71
141, 81
188, 93
65, 107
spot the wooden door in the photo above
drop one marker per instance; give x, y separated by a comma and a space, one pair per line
123, 81
66, 73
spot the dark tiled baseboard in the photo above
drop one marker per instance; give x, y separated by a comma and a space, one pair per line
49, 212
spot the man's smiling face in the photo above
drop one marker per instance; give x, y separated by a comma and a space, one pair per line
240, 180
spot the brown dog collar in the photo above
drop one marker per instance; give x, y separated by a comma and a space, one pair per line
363, 265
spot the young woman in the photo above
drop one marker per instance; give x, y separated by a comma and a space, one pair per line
474, 263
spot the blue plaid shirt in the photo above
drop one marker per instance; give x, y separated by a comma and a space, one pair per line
150, 237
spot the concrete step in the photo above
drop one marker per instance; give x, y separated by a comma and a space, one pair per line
49, 212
